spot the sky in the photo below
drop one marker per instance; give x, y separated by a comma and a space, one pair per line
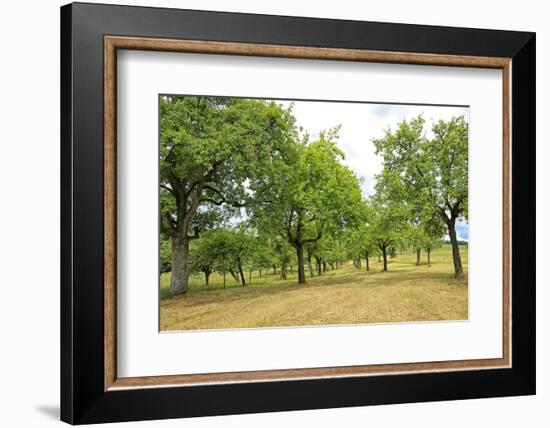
360, 124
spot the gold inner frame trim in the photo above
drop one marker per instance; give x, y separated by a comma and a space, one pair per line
113, 43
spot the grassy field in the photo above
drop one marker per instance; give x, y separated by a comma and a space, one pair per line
342, 296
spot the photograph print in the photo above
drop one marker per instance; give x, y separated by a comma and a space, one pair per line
294, 213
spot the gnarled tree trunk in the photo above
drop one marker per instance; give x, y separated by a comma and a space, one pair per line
180, 259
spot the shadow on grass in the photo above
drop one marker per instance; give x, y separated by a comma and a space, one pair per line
338, 277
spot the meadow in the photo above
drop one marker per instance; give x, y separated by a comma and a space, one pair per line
347, 295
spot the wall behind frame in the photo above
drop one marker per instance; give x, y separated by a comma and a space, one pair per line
29, 220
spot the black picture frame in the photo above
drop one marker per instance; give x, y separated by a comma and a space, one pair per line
83, 398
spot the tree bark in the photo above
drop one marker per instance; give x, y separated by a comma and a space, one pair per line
300, 256
429, 252
367, 260
239, 265
180, 259
418, 257
385, 257
250, 277
324, 266
206, 278
456, 251
309, 264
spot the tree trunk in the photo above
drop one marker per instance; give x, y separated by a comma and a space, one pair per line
385, 257
367, 260
260, 273
250, 277
180, 259
456, 251
418, 257
243, 282
324, 266
234, 275
429, 261
274, 270
318, 265
206, 278
310, 268
224, 278
283, 271
300, 256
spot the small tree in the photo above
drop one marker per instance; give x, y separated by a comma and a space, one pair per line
387, 223
263, 256
241, 245
202, 257
416, 238
360, 242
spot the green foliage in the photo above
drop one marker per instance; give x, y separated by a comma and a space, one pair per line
203, 255
311, 195
165, 255
223, 250
430, 174
242, 189
387, 222
211, 150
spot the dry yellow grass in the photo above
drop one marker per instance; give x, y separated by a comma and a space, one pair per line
343, 296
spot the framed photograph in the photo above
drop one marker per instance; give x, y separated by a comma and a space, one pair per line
266, 213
